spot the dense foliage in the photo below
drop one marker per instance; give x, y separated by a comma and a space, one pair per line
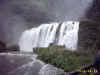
65, 59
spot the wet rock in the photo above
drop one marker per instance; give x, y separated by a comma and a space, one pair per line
88, 34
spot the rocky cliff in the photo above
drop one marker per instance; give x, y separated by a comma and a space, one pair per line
88, 34
89, 31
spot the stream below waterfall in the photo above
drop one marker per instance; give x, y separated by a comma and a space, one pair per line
16, 63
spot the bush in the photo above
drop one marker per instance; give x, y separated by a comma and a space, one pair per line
65, 59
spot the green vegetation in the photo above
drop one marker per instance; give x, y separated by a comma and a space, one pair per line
65, 59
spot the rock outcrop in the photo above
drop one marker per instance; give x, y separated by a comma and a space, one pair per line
88, 34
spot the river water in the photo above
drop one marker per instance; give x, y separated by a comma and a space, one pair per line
16, 63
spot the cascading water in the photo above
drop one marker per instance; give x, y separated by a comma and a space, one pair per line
65, 34
61, 34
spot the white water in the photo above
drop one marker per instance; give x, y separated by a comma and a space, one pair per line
65, 33
50, 70
26, 64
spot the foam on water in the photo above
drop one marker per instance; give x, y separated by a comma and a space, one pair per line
50, 70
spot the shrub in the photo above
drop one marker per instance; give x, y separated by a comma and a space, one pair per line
65, 59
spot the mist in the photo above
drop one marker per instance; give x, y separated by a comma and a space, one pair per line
19, 15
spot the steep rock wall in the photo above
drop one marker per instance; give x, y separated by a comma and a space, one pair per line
88, 34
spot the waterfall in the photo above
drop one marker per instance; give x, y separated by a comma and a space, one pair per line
65, 34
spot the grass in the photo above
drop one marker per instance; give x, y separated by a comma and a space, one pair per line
65, 59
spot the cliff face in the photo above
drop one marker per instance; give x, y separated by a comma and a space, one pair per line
89, 31
88, 34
